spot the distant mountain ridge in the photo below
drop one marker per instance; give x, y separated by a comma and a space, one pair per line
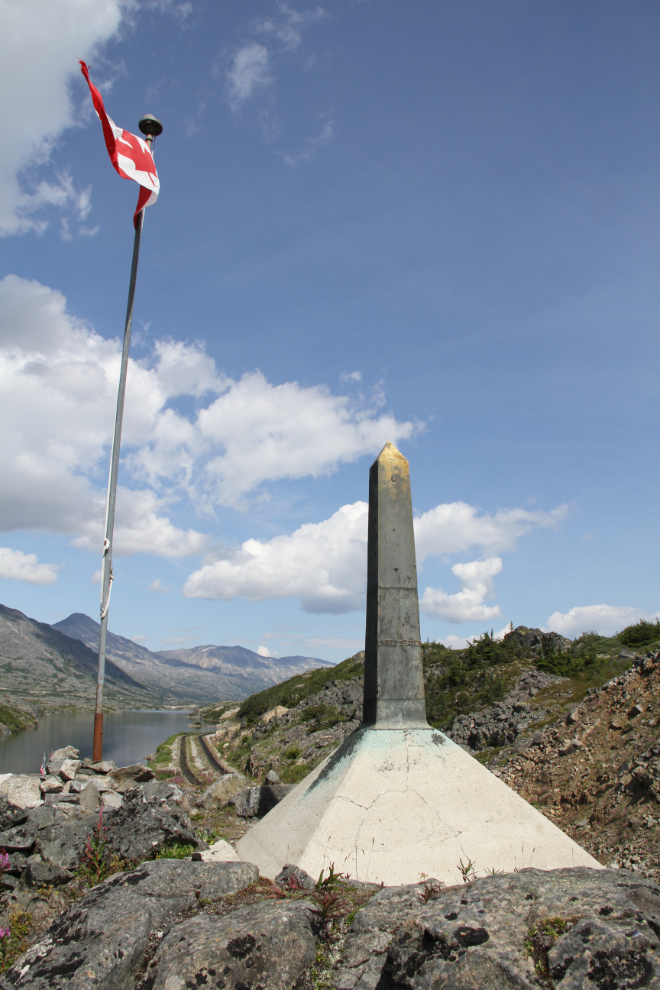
40, 662
233, 659
201, 673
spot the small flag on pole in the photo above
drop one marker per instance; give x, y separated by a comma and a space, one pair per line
130, 155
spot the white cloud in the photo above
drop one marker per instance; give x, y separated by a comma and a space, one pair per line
40, 44
17, 566
248, 72
311, 147
263, 651
351, 376
58, 382
174, 640
158, 585
605, 619
289, 25
141, 527
139, 639
324, 564
268, 432
456, 526
181, 10
466, 605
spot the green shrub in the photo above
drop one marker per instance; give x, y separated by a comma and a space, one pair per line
460, 688
291, 752
488, 650
163, 754
175, 850
637, 636
324, 716
15, 719
294, 774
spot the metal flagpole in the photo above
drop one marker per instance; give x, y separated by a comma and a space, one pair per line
151, 128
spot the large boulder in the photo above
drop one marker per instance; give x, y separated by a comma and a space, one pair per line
261, 945
223, 790
59, 756
45, 817
255, 802
69, 769
157, 791
21, 790
63, 844
20, 838
126, 777
573, 928
52, 784
65, 753
89, 799
536, 640
10, 814
102, 939
141, 828
38, 873
100, 766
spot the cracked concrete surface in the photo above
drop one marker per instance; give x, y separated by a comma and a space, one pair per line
397, 806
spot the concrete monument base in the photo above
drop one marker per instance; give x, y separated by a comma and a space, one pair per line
396, 806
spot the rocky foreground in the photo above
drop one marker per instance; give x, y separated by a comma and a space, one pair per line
131, 897
170, 925
108, 879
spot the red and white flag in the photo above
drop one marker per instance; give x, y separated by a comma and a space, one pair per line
130, 154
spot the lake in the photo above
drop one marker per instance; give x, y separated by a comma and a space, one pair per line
127, 737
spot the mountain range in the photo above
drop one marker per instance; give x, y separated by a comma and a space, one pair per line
230, 672
39, 663
56, 664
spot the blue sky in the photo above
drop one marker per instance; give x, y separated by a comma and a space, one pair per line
435, 224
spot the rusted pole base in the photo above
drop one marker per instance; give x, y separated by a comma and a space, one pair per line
97, 753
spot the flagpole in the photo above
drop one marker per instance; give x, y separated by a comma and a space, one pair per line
151, 128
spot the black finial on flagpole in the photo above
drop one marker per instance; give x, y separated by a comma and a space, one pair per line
150, 126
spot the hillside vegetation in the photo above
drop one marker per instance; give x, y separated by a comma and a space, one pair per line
570, 725
461, 681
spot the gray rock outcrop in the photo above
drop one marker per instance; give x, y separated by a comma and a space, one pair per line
223, 790
578, 928
166, 926
102, 939
49, 841
255, 802
261, 945
504, 721
536, 640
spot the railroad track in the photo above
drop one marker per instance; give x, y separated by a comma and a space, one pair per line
183, 764
209, 755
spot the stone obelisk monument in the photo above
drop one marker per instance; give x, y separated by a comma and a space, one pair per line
398, 801
393, 676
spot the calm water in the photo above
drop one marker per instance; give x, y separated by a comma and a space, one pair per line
127, 737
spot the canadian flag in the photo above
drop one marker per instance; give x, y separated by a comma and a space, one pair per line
130, 155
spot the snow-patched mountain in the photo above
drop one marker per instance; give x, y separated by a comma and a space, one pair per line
203, 673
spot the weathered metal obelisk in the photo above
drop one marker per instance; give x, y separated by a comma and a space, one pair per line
393, 677
398, 801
